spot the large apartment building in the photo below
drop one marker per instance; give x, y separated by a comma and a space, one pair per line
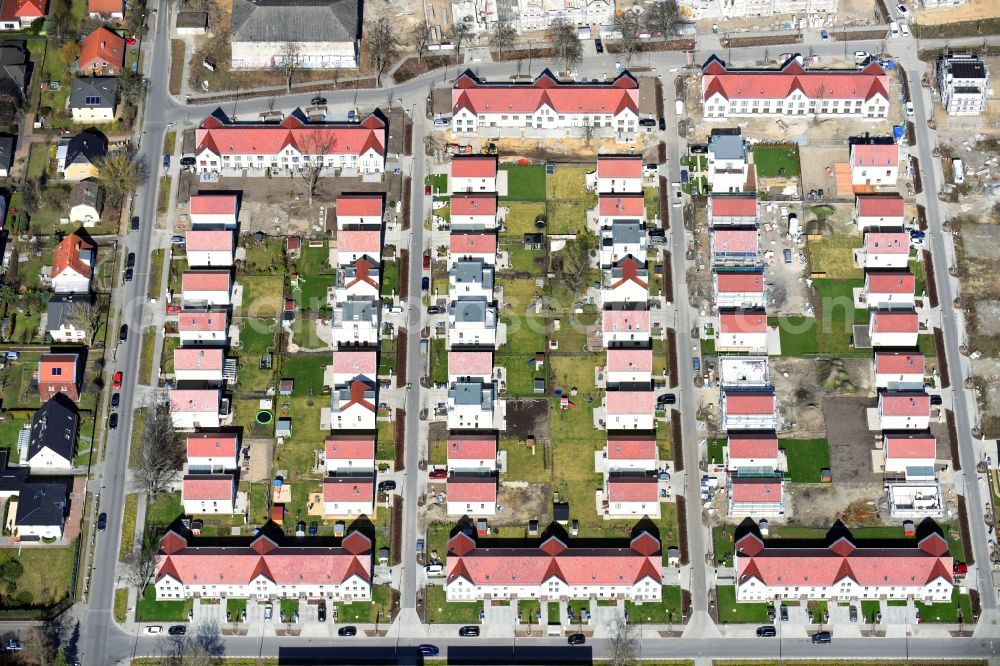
964, 83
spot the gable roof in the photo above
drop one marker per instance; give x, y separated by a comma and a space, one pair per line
621, 205
875, 155
350, 447
194, 400
887, 242
355, 362
473, 243
546, 90
911, 446
68, 254
473, 203
85, 148
106, 6
359, 205
199, 358
54, 427
66, 364
629, 360
199, 240
472, 447
12, 10
349, 489
619, 166
739, 282
735, 240
893, 321
41, 504
207, 321
94, 92
743, 321
102, 46
733, 205
275, 21
909, 403
899, 363
364, 241
212, 445
890, 282
751, 445
87, 192
635, 321
631, 447
763, 490
633, 489
213, 204
880, 205
206, 487
630, 403
472, 489
470, 363
862, 84
206, 281
473, 166
748, 403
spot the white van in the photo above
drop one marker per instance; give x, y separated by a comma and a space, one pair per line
434, 569
894, 29
958, 171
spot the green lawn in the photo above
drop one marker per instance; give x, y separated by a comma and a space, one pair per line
959, 607
156, 274
46, 578
438, 183
121, 605
723, 545
837, 315
256, 337
305, 335
366, 612
38, 159
553, 613
566, 217
150, 610
775, 161
835, 257
869, 608
525, 261
266, 257
235, 608
530, 611
262, 295
523, 464
311, 293
390, 278
163, 512
524, 183
385, 443
666, 611
798, 335
439, 361
521, 218
288, 608
819, 610
439, 611
307, 371
806, 458
731, 612
128, 525
716, 451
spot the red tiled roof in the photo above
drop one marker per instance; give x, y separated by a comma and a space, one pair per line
368, 242
554, 559
825, 566
755, 490
753, 446
779, 84
910, 446
358, 389
474, 167
349, 489
632, 447
255, 139
207, 487
899, 363
880, 205
743, 321
633, 489
470, 363
895, 322
741, 205
473, 243
359, 205
14, 10
355, 362
747, 404
625, 321
628, 360
205, 281
472, 489
194, 358
875, 155
735, 283
194, 400
630, 402
66, 255
208, 241
102, 46
619, 166
735, 240
474, 204
212, 445
887, 242
202, 321
896, 282
350, 447
65, 363
904, 404
213, 204
621, 205
106, 6
472, 447
630, 273
546, 90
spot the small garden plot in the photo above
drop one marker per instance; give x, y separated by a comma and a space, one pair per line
776, 161
521, 218
834, 257
262, 295
731, 612
367, 612
526, 463
797, 334
390, 278
567, 217
150, 610
265, 255
305, 335
837, 315
257, 337
806, 459
439, 361
524, 183
307, 372
385, 442
958, 610
666, 611
526, 261
439, 611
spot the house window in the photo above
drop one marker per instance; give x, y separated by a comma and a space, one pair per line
56, 372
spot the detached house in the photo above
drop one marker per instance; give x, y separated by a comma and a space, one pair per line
886, 249
472, 246
751, 452
473, 405
624, 238
627, 282
964, 83
354, 244
102, 53
472, 452
611, 207
890, 289
358, 280
199, 364
356, 211
61, 324
52, 442
208, 493
629, 366
899, 370
749, 410
739, 289
470, 365
41, 511
355, 323
732, 210
756, 497
625, 327
206, 288
909, 453
471, 495
735, 247
349, 496
619, 174
894, 328
213, 211
472, 322
350, 365
213, 452
631, 452
20, 14
728, 167
473, 173
471, 278
86, 203
630, 410
874, 161
205, 327
192, 409
114, 9
629, 496
904, 410
72, 265
94, 99
742, 331
209, 249
474, 212
349, 454
60, 373
879, 211
352, 407
77, 157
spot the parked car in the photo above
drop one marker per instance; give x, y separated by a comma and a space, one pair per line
166, 161
438, 474
129, 274
188, 161
903, 11
135, 223
440, 122
321, 611
116, 399
936, 399
822, 638
386, 486
767, 631
123, 333
647, 122
154, 629
347, 631
177, 240
318, 101
425, 283
598, 46
130, 260
427, 261
102, 521
904, 29
667, 399
784, 613
113, 421
576, 639
435, 309
663, 124
177, 630
268, 612
696, 364
470, 630
909, 109
788, 255
853, 612
12, 645
116, 381
428, 650
824, 35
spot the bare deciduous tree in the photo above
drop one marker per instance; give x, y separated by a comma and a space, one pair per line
382, 47
502, 37
120, 173
88, 316
318, 146
205, 648
161, 453
421, 36
461, 33
627, 24
623, 647
139, 564
289, 62
663, 18
587, 130
576, 261
566, 42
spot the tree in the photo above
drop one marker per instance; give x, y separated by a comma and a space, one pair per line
624, 645
382, 47
662, 18
421, 37
289, 62
88, 316
318, 145
69, 52
587, 130
120, 173
502, 37
566, 42
139, 564
161, 453
627, 23
576, 261
461, 33
31, 195
129, 86
205, 648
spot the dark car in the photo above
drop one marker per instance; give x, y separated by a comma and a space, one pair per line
386, 486
598, 46
576, 639
321, 612
318, 101
434, 309
648, 122
663, 124
313, 528
784, 613
102, 521
667, 399
123, 333
425, 283
767, 631
347, 631
188, 161
113, 421
135, 223
130, 260
470, 630
822, 638
129, 274
116, 399
177, 630
854, 613
428, 650
166, 161
935, 399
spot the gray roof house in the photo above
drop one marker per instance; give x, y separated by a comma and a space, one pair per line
53, 435
58, 321
86, 201
93, 99
41, 511
325, 32
6, 154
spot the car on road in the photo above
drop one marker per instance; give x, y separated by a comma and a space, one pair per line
824, 35
154, 629
903, 11
909, 109
130, 260
598, 46
427, 261
268, 612
113, 421
102, 521
177, 630
386, 486
667, 399
853, 612
166, 161
469, 630
663, 124
135, 223
116, 399
347, 631
427, 190
425, 283
123, 333
129, 274
822, 638
576, 639
427, 650
767, 631
116, 381
438, 474
784, 613
321, 612
696, 364
318, 101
